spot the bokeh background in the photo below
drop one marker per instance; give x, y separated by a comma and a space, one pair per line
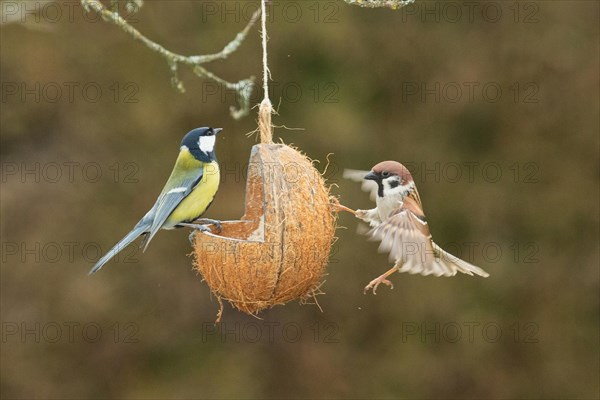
79, 170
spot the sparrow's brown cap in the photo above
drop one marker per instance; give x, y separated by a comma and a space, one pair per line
393, 168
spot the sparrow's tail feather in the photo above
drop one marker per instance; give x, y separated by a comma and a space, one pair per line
441, 269
432, 267
130, 237
454, 264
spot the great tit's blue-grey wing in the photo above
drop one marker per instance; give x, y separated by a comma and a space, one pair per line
179, 185
366, 185
139, 229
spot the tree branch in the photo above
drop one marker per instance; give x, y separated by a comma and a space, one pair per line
243, 88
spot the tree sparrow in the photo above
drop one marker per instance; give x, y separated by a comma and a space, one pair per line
399, 223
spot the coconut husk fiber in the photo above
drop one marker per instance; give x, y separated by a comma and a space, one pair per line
279, 249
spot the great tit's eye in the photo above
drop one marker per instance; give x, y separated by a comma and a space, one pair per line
385, 174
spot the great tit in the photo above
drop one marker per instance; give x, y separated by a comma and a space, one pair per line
188, 193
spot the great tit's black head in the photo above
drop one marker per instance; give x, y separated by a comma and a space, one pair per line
201, 142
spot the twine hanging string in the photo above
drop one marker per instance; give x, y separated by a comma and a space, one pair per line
266, 108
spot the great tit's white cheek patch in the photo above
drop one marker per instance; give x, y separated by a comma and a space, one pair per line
207, 143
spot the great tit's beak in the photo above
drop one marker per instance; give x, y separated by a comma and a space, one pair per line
371, 176
217, 130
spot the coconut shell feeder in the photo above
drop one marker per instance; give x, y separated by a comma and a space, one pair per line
278, 250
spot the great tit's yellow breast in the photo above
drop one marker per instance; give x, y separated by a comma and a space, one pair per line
196, 203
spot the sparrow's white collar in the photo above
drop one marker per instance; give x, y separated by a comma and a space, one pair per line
400, 190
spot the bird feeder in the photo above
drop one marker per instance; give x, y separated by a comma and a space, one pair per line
278, 250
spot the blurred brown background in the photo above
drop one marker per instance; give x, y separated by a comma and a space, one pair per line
459, 93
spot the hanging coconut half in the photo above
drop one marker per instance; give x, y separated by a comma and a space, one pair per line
279, 249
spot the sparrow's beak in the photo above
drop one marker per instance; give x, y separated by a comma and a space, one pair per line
217, 130
371, 176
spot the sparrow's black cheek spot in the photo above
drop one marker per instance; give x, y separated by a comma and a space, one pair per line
394, 184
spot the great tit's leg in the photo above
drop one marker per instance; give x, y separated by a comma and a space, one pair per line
198, 227
207, 221
379, 280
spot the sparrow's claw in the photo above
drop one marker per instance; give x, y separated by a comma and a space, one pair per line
376, 282
361, 214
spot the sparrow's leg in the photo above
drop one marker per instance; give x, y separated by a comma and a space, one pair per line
206, 221
337, 206
378, 281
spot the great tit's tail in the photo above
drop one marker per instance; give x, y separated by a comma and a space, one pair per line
130, 237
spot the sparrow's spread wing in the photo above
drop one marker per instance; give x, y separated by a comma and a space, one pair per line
406, 236
359, 176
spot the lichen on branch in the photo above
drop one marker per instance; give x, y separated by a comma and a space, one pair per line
393, 4
242, 88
